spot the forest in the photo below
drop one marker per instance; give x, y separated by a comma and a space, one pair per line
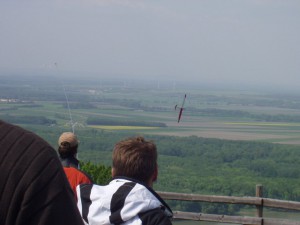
212, 166
189, 162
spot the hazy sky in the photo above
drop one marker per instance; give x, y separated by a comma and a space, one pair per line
228, 41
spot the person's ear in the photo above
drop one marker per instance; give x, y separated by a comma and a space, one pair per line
155, 174
112, 172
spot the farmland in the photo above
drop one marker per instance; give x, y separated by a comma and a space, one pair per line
231, 115
235, 131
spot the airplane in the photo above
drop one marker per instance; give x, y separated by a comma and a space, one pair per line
181, 108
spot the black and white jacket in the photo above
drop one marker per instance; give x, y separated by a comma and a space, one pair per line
122, 201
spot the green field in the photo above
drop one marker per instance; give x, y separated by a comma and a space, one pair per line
233, 115
223, 128
225, 144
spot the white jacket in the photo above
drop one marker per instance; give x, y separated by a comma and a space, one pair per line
122, 201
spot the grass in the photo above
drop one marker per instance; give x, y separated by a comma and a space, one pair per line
190, 125
233, 128
121, 127
264, 124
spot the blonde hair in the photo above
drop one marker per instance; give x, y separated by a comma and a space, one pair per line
135, 158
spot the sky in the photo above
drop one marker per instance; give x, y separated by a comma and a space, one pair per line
216, 41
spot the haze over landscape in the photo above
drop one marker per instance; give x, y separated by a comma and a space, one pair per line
250, 42
110, 69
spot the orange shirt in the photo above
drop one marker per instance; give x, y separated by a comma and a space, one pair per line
76, 177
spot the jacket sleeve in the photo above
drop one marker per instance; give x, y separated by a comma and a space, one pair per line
33, 186
155, 217
49, 199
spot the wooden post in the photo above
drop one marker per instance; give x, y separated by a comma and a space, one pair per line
259, 193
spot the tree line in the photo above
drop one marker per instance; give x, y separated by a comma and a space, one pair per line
207, 166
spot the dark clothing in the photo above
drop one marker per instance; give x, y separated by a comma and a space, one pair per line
33, 187
69, 162
122, 201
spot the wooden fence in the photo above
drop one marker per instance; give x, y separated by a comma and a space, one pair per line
257, 201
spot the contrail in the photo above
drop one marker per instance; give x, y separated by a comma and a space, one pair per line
68, 105
70, 114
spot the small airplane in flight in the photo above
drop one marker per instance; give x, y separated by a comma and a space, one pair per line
181, 108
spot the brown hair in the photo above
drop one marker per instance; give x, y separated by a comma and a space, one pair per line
135, 158
65, 150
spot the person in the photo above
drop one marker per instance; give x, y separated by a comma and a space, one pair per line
34, 189
67, 149
129, 197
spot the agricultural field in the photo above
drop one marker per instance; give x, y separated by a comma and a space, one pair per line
250, 137
230, 115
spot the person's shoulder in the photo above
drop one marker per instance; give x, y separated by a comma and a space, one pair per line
8, 130
155, 217
78, 173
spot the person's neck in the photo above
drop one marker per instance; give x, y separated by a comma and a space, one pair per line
70, 161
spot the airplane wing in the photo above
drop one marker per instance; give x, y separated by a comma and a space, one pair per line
181, 108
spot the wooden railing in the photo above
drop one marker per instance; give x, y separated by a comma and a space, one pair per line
257, 201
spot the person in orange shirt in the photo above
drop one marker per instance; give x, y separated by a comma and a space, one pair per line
67, 149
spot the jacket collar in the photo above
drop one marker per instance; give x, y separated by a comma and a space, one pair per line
70, 162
